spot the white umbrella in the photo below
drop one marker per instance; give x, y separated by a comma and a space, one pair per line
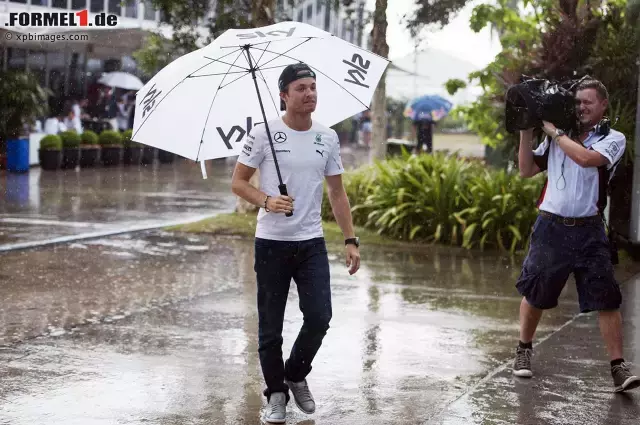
202, 105
122, 80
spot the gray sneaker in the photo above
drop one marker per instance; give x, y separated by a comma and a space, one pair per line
302, 396
623, 379
522, 363
276, 411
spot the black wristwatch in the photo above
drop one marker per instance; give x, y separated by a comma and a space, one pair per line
354, 241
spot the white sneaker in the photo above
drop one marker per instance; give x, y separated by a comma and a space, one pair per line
302, 396
276, 410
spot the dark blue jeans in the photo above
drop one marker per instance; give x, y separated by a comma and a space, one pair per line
276, 263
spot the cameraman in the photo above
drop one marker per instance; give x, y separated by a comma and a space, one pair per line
568, 235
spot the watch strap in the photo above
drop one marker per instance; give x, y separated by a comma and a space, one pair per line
353, 241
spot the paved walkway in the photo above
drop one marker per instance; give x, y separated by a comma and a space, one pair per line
571, 385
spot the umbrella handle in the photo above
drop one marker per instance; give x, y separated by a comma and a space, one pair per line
283, 192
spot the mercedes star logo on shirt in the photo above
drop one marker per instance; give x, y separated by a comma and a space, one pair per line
280, 137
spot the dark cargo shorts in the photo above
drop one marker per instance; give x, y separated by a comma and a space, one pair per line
556, 250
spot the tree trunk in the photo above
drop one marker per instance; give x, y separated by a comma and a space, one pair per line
379, 105
263, 14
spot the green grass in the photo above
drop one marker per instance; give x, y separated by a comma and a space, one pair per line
244, 225
444, 139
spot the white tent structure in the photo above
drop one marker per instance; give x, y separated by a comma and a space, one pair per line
426, 73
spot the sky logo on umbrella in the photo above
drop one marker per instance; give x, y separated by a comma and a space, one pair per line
149, 100
358, 73
259, 34
226, 137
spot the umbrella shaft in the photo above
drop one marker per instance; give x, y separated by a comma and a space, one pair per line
264, 116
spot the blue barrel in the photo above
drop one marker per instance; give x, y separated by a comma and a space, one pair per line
18, 155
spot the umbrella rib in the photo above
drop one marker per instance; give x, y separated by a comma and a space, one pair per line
338, 84
206, 121
230, 64
266, 85
258, 61
218, 74
273, 67
172, 89
284, 54
231, 82
267, 42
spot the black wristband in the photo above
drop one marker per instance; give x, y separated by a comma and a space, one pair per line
265, 203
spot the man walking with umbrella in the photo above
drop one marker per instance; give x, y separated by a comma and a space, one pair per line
289, 241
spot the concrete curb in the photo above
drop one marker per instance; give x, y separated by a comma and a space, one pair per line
101, 234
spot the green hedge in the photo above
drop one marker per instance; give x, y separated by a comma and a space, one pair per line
110, 138
445, 199
70, 139
127, 142
88, 138
51, 142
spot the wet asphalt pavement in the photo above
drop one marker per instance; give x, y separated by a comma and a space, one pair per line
160, 328
45, 205
154, 328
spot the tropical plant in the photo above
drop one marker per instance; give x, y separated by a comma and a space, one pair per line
502, 212
443, 198
358, 185
415, 197
22, 101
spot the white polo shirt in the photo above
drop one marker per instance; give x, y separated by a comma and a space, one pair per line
305, 159
572, 191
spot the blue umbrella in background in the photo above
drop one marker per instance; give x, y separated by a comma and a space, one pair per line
428, 108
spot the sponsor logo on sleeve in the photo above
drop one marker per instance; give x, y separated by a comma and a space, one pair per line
613, 149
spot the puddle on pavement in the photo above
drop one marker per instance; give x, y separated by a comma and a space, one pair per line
161, 329
108, 198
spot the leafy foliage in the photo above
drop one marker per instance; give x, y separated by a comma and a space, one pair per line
70, 139
445, 199
22, 100
555, 39
51, 142
433, 13
110, 138
88, 138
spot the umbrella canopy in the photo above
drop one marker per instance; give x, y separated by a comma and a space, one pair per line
428, 108
122, 80
202, 105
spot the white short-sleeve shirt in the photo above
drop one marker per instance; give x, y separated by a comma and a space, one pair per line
573, 191
305, 158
